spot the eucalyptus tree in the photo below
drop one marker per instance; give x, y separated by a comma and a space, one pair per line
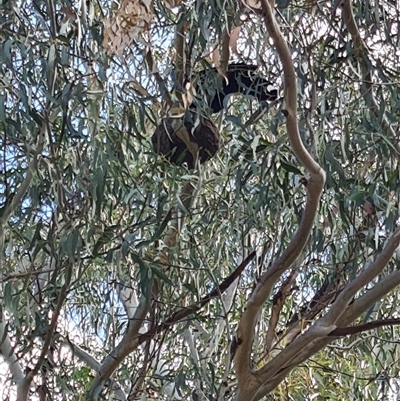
268, 272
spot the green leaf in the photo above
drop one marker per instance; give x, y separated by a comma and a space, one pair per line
159, 273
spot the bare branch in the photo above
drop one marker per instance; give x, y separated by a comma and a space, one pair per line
290, 81
285, 358
308, 343
265, 285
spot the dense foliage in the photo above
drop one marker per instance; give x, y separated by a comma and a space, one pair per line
95, 226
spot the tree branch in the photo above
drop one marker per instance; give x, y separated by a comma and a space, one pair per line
290, 95
350, 330
85, 357
128, 344
177, 220
248, 381
185, 312
373, 295
272, 374
277, 305
49, 336
131, 339
224, 46
188, 338
368, 274
180, 60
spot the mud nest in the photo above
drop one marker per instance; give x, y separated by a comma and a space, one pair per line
205, 134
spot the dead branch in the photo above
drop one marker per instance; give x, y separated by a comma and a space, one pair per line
187, 311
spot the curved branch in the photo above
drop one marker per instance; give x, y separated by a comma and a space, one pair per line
248, 380
295, 348
342, 313
305, 346
290, 81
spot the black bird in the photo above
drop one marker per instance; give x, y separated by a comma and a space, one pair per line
212, 91
240, 78
203, 132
